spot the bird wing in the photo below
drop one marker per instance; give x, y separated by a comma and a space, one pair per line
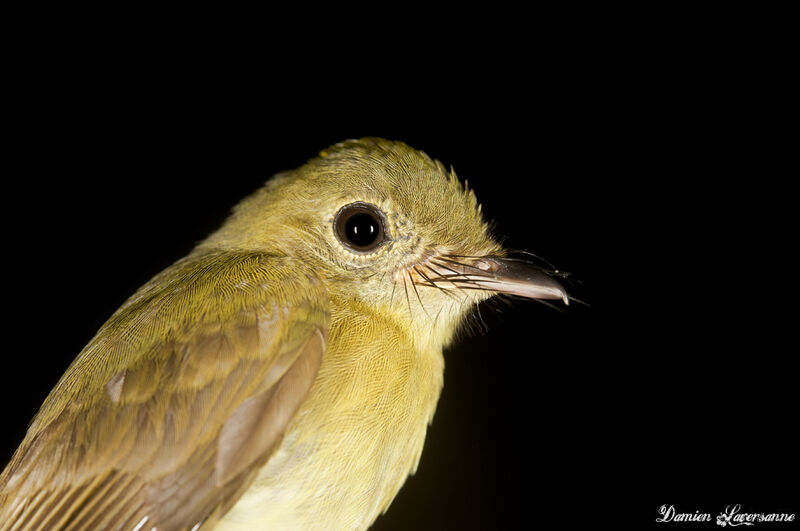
165, 417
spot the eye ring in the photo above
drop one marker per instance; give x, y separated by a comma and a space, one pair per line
360, 227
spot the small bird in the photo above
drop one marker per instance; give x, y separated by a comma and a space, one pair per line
284, 373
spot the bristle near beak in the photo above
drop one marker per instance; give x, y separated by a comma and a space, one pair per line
493, 273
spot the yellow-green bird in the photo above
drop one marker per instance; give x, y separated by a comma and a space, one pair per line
283, 374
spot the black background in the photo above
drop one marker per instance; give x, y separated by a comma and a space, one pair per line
646, 164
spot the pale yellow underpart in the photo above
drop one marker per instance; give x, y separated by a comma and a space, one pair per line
355, 439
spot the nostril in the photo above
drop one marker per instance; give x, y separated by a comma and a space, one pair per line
487, 265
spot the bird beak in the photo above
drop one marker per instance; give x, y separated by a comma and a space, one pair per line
515, 277
502, 275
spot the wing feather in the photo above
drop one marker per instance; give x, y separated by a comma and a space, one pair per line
176, 418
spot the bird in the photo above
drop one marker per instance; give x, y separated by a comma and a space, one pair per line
283, 374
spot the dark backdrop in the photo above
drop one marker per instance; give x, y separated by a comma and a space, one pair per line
640, 167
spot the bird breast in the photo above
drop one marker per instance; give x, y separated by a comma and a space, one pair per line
356, 438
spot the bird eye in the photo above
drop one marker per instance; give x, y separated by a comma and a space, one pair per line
360, 227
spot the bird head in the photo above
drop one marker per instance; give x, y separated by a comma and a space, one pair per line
384, 225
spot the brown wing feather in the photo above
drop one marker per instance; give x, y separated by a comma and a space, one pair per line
178, 432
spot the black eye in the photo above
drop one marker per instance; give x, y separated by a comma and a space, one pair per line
360, 227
